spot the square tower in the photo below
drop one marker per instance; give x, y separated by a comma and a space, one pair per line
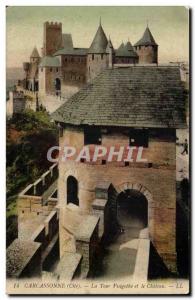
52, 40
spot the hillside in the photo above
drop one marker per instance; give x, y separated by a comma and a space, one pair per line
29, 136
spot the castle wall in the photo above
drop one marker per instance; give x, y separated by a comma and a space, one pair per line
74, 69
42, 81
47, 76
125, 60
158, 179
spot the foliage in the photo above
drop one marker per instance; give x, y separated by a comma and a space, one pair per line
29, 136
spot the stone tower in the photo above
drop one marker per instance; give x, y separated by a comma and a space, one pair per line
34, 58
147, 49
52, 40
111, 53
97, 58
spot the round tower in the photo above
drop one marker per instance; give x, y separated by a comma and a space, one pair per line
147, 48
97, 58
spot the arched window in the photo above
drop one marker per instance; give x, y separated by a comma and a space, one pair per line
72, 190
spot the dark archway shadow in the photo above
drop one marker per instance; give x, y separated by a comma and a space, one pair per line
118, 256
72, 190
132, 209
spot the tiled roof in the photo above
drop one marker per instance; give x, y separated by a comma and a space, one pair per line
147, 39
99, 43
49, 61
137, 96
73, 51
67, 41
126, 51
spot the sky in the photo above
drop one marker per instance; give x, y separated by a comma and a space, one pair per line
169, 26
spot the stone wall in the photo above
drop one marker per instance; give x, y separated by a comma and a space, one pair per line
86, 243
35, 248
36, 198
155, 180
95, 64
47, 76
125, 60
23, 259
74, 69
52, 39
147, 54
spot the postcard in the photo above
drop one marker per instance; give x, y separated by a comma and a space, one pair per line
98, 150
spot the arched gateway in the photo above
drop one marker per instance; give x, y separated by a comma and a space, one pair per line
131, 203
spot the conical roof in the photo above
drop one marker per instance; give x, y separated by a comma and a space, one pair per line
126, 50
147, 39
130, 49
35, 53
99, 43
122, 45
129, 46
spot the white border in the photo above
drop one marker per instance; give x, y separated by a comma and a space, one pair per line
189, 3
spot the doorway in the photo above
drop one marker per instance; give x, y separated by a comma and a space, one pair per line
132, 210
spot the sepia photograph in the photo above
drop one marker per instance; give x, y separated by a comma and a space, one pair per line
98, 150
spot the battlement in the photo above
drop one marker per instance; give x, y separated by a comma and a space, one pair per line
53, 25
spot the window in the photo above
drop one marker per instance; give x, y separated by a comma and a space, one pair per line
50, 69
102, 56
92, 56
92, 135
56, 69
138, 138
65, 59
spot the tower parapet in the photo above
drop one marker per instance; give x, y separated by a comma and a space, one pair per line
52, 40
